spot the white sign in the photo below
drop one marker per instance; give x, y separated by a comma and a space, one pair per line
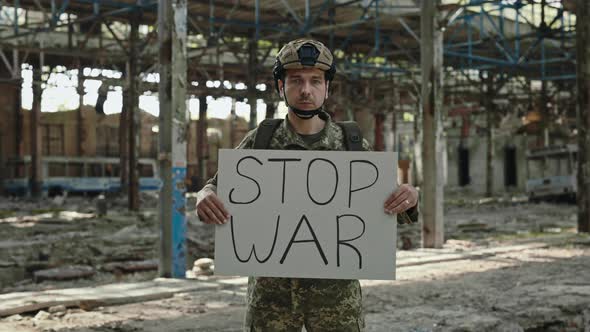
306, 214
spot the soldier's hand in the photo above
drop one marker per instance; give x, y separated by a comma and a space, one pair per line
403, 199
210, 208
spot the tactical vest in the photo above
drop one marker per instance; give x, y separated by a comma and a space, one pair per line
353, 138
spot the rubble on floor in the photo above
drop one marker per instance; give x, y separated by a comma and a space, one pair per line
507, 265
64, 239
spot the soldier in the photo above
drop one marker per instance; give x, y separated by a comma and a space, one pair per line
303, 71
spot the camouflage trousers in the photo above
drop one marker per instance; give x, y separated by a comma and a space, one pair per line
288, 304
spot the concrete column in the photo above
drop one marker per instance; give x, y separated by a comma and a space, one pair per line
14, 120
80, 116
18, 112
396, 105
232, 125
133, 116
350, 112
388, 132
432, 71
379, 139
172, 29
123, 144
36, 176
417, 162
252, 75
583, 82
488, 93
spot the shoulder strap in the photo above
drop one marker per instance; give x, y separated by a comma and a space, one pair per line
353, 138
264, 133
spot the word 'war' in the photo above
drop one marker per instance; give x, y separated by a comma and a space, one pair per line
316, 243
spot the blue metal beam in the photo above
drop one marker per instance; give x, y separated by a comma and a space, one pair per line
257, 18
376, 47
249, 24
384, 68
362, 19
16, 7
479, 58
559, 77
517, 32
309, 22
55, 15
122, 11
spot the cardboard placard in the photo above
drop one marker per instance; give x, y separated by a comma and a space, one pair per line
306, 214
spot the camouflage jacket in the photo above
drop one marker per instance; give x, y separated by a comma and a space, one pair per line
331, 138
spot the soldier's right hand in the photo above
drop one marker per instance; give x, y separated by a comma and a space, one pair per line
210, 209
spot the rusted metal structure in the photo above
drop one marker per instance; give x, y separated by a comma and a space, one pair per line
515, 42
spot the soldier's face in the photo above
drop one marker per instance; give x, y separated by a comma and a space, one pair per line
305, 89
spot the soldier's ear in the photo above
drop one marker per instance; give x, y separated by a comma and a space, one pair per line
281, 86
327, 88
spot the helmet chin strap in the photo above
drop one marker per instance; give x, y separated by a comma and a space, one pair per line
307, 114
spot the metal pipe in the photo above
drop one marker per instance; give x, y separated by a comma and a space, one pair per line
543, 69
408, 29
257, 18
480, 58
96, 7
376, 47
469, 40
211, 17
517, 31
16, 6
53, 18
331, 13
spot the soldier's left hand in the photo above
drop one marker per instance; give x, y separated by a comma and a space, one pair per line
404, 198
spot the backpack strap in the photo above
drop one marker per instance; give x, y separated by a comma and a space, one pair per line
264, 133
353, 138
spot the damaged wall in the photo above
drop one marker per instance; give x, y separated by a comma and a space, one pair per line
506, 137
9, 123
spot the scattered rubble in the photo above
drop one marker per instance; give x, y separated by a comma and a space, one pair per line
64, 273
472, 284
203, 267
132, 266
57, 309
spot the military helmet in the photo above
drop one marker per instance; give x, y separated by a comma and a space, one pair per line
304, 53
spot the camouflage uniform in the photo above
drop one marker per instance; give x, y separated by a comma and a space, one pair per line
286, 304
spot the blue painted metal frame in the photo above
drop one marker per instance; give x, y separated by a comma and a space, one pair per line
122, 8
512, 53
514, 58
309, 21
56, 13
15, 22
361, 19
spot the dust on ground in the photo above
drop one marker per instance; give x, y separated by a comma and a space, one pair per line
535, 289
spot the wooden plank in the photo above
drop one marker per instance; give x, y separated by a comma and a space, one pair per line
475, 254
90, 297
132, 266
64, 273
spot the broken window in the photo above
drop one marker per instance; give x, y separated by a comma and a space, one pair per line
52, 139
464, 178
95, 170
56, 169
146, 171
510, 174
